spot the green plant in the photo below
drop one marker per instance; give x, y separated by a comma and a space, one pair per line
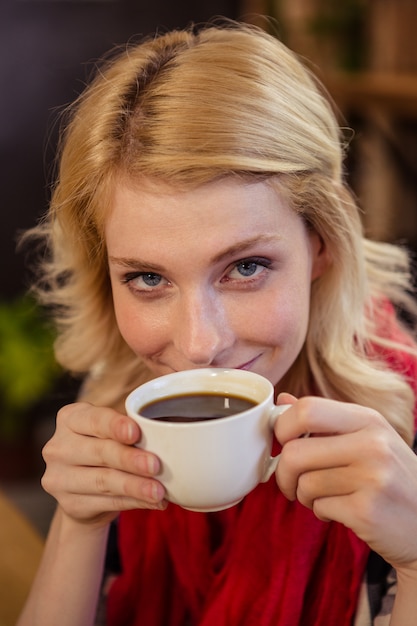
28, 370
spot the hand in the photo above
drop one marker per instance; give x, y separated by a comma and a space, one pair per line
92, 468
354, 469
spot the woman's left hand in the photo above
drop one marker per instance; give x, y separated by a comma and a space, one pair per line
354, 469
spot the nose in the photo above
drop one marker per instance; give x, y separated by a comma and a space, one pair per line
203, 330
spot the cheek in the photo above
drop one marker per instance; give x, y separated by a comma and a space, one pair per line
286, 318
141, 332
287, 322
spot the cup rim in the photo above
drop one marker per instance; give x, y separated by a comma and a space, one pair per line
159, 383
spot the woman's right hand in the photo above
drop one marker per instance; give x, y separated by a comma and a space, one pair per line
92, 468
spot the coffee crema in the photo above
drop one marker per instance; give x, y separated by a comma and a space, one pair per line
196, 407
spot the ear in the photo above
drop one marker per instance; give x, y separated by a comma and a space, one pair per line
320, 259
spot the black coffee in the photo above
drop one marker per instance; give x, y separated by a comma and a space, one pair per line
195, 407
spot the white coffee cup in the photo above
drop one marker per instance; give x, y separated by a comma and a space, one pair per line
210, 465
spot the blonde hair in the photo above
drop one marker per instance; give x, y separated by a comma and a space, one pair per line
188, 108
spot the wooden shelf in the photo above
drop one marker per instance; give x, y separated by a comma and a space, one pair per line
397, 93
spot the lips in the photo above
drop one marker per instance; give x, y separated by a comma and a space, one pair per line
243, 366
248, 364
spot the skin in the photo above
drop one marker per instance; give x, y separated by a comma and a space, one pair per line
238, 296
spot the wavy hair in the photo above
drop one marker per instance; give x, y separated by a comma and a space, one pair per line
188, 107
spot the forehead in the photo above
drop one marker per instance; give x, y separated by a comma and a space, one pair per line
145, 214
148, 199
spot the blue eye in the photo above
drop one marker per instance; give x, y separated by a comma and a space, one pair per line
247, 268
150, 279
144, 281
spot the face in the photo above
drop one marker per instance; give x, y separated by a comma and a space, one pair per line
218, 276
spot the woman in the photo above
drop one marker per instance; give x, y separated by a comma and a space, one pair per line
200, 219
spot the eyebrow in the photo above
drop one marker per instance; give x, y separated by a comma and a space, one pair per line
243, 245
233, 250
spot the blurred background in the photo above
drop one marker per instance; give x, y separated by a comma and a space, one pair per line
363, 50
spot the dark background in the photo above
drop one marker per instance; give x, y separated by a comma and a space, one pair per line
46, 53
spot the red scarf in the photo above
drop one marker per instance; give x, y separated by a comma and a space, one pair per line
264, 562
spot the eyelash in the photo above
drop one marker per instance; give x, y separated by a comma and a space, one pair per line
260, 262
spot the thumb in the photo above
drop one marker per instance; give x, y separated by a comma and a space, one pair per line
286, 398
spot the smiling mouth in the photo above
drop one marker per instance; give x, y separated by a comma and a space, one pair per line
244, 366
248, 364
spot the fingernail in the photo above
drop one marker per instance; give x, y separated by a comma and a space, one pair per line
152, 464
129, 431
157, 491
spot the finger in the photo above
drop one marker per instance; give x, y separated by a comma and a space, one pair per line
333, 495
341, 481
92, 508
360, 510
286, 398
95, 452
300, 456
86, 419
126, 458
110, 504
103, 482
340, 509
323, 416
374, 519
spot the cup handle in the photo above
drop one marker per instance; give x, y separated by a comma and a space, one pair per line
272, 463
